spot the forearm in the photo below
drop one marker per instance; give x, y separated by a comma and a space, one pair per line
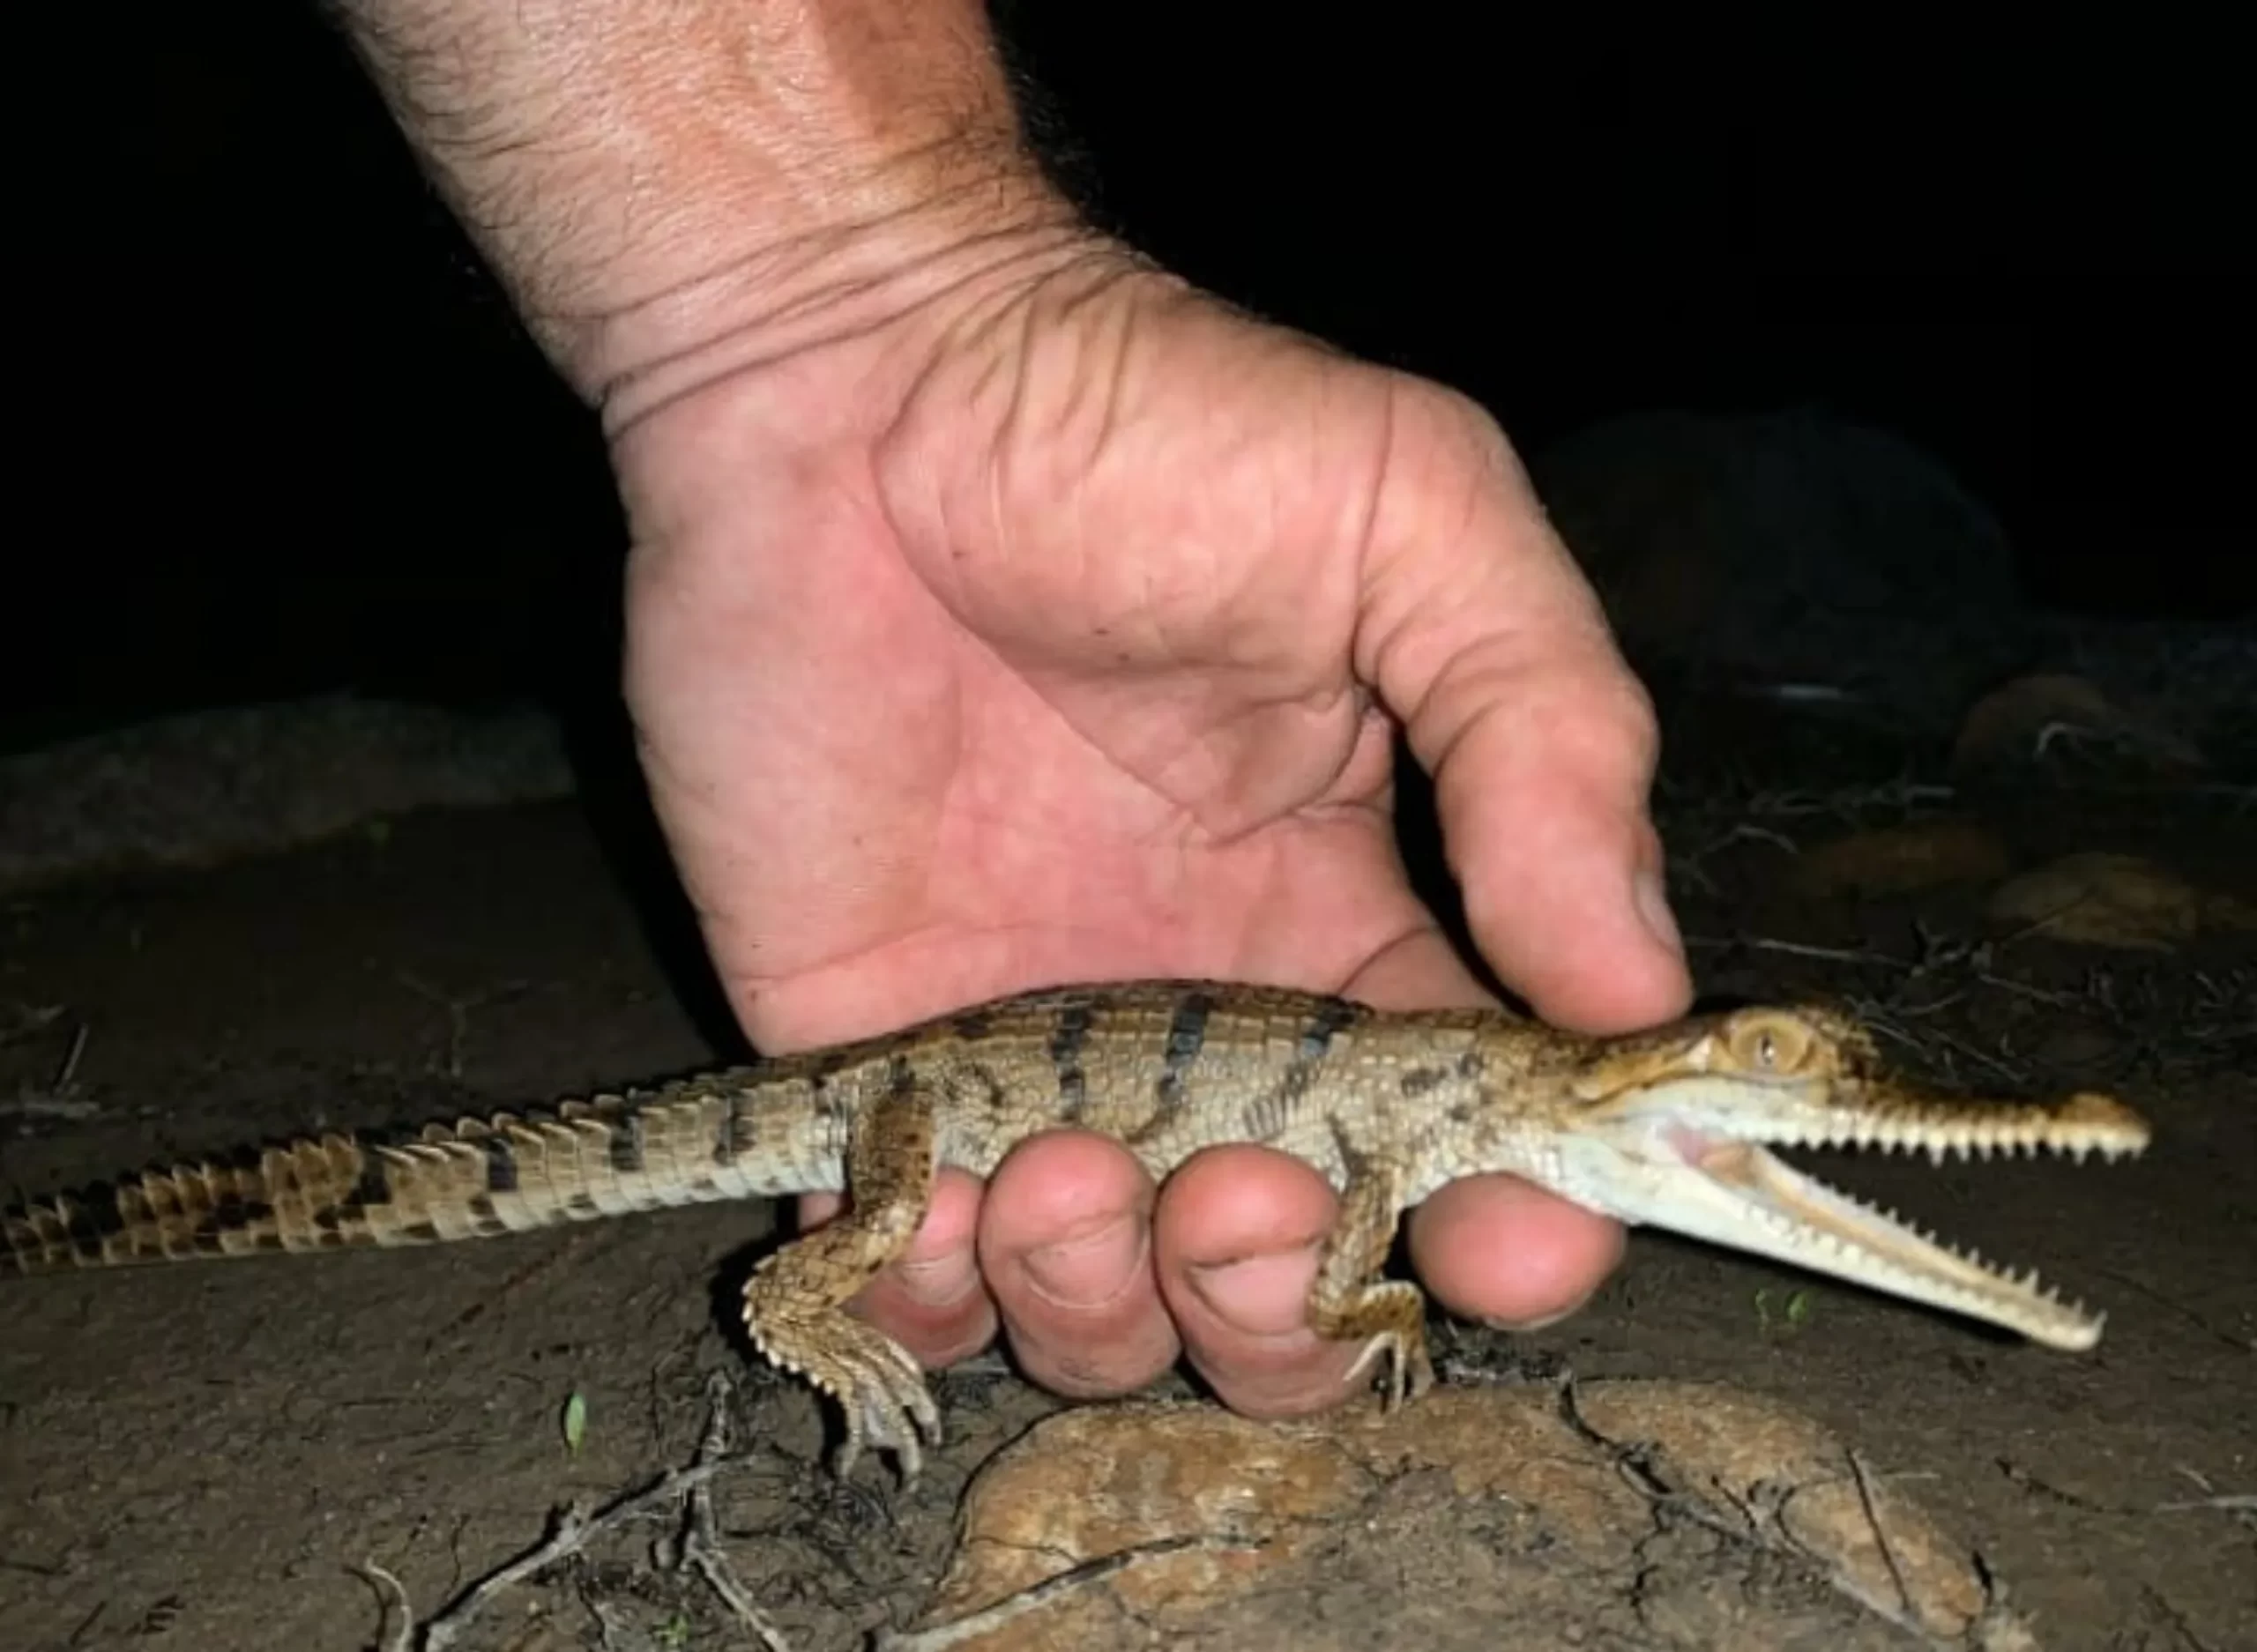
648, 176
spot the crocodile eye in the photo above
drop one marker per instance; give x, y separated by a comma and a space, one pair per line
1773, 1043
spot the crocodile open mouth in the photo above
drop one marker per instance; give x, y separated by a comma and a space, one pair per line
1820, 1227
1695, 1157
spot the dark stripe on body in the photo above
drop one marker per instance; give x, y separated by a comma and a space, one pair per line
737, 1134
230, 1216
989, 1083
1187, 1036
625, 1146
1332, 1016
374, 1188
1067, 1039
1293, 1084
732, 1124
1352, 1163
102, 1218
501, 1164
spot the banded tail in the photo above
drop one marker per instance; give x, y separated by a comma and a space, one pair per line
701, 1141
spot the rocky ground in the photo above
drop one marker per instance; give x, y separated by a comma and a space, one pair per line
1716, 1453
2018, 844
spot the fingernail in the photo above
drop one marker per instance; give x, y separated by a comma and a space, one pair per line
1651, 897
1263, 1295
1089, 1269
1540, 1321
942, 1281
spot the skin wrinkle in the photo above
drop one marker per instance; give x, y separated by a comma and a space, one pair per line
1013, 804
1415, 936
1105, 434
1408, 616
1571, 764
1518, 690
1172, 653
848, 305
1100, 896
1024, 314
1111, 377
1368, 542
1222, 818
897, 436
618, 163
987, 301
1388, 647
1113, 423
966, 335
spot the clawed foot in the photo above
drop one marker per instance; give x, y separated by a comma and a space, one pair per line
1402, 1345
888, 1408
879, 1387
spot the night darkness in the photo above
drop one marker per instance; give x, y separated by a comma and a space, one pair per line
336, 464
319, 814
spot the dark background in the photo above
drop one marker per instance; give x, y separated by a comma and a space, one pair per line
296, 442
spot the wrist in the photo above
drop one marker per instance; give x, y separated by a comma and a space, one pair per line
664, 188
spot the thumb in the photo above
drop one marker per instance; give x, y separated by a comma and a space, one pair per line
1479, 632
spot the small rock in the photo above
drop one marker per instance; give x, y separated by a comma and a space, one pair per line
2054, 721
2102, 900
1791, 547
1902, 860
2076, 1046
1472, 1519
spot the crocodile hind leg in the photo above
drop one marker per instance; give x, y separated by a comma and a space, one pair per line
795, 1302
1348, 1304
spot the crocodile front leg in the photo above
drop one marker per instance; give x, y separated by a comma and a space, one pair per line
796, 1301
1348, 1303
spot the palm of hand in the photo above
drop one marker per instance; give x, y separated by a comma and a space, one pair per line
1036, 653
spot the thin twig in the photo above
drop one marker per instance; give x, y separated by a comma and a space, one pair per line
1800, 949
572, 1529
396, 1632
458, 1011
1870, 1503
1026, 1600
49, 1107
700, 1547
64, 1079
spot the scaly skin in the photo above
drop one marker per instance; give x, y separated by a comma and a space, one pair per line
1669, 1128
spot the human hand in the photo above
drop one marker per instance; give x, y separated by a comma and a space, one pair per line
1054, 628
1003, 612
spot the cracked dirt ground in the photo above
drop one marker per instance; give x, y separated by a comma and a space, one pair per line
195, 1458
